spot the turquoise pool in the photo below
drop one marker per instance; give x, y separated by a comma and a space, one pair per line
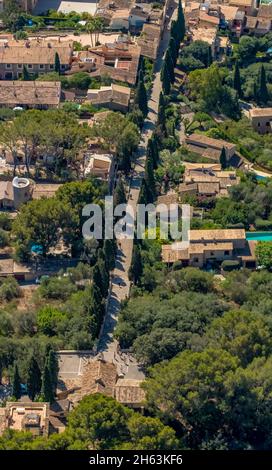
260, 236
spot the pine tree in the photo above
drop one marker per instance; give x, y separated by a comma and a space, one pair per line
109, 253
52, 364
47, 387
57, 63
180, 22
165, 79
263, 95
26, 74
170, 65
149, 178
119, 195
33, 379
140, 98
223, 159
136, 268
16, 384
237, 80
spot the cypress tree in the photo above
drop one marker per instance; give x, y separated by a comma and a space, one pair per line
209, 58
109, 253
47, 387
173, 50
149, 178
57, 63
143, 196
263, 95
223, 159
237, 80
119, 195
53, 367
104, 273
180, 22
34, 382
136, 268
170, 65
97, 279
16, 384
161, 120
174, 33
98, 307
156, 155
140, 99
26, 75
150, 151
165, 79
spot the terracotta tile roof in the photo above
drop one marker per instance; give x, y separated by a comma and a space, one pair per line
240, 3
202, 166
35, 52
108, 94
129, 392
29, 93
264, 23
149, 40
208, 141
6, 190
44, 190
265, 11
229, 12
203, 16
208, 188
98, 377
251, 22
218, 235
260, 112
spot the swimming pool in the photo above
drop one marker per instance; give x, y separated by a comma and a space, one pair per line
260, 236
261, 178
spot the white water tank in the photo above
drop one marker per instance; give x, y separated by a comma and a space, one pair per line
21, 191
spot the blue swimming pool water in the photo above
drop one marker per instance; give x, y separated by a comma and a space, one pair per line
260, 236
261, 178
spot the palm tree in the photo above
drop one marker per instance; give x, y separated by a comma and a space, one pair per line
90, 27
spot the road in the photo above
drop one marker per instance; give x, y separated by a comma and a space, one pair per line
108, 347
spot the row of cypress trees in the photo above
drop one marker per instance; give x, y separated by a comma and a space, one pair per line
148, 189
40, 384
261, 94
177, 34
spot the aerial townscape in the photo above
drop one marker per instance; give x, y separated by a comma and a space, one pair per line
135, 343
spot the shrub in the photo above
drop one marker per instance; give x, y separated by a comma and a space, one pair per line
230, 265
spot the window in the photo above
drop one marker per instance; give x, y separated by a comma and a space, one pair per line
195, 260
259, 124
41, 66
62, 67
8, 66
30, 66
51, 66
212, 253
19, 66
226, 252
267, 123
